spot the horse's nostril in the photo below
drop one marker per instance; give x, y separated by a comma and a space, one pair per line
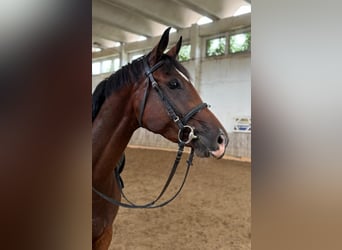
220, 139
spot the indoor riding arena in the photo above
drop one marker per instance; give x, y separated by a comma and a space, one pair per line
213, 209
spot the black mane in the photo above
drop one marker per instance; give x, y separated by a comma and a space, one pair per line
128, 74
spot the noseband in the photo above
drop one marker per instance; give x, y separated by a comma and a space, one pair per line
186, 134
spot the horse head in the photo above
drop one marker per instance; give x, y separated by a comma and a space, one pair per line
169, 105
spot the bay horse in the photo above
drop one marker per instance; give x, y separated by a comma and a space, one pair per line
153, 92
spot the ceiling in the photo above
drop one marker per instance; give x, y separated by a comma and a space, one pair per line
133, 20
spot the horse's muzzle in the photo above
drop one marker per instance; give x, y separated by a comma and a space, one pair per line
222, 142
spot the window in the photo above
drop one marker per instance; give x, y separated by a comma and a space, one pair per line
184, 53
216, 46
96, 68
240, 42
136, 56
106, 66
116, 64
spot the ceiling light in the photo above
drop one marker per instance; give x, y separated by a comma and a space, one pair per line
173, 30
141, 38
242, 10
116, 44
94, 49
204, 20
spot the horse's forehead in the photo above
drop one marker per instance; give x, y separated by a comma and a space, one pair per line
183, 75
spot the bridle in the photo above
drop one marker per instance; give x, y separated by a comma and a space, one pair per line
181, 122
186, 134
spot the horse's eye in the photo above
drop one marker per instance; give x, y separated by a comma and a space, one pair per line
174, 84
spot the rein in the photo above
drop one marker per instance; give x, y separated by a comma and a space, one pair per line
185, 135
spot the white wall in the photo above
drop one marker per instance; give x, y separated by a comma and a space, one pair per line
226, 86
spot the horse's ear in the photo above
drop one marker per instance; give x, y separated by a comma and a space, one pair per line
158, 50
173, 52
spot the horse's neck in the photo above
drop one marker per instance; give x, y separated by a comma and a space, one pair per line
111, 132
